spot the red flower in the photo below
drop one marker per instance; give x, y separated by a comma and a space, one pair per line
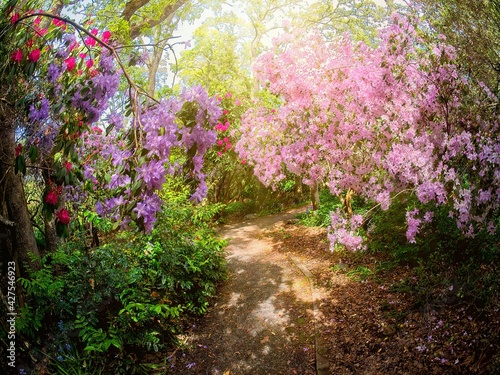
40, 32
89, 63
17, 56
70, 63
224, 112
68, 166
94, 31
14, 18
34, 55
29, 43
19, 149
106, 35
52, 197
58, 22
37, 21
90, 41
63, 216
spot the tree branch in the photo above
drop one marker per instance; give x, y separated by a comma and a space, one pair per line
131, 7
6, 222
135, 30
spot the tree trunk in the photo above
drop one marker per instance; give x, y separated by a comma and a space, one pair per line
254, 50
315, 196
347, 202
156, 59
298, 185
20, 242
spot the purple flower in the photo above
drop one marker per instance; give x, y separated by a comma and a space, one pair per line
200, 192
153, 174
106, 62
53, 72
39, 114
116, 119
147, 208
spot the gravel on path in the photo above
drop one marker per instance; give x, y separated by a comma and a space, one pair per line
262, 322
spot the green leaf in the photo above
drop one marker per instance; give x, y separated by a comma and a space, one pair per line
33, 153
20, 165
116, 343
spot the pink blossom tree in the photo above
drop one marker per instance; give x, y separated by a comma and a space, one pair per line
379, 121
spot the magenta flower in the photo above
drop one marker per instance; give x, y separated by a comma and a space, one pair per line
58, 23
63, 216
14, 18
52, 197
106, 35
17, 56
70, 63
90, 41
34, 55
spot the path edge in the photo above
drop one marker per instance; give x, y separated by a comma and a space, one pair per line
322, 363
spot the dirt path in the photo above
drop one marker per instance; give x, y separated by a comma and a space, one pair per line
263, 319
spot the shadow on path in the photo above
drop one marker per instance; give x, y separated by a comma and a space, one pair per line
262, 321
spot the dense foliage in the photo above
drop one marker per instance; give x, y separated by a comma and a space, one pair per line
398, 118
131, 295
399, 122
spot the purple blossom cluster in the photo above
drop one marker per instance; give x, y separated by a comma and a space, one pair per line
95, 101
41, 113
141, 174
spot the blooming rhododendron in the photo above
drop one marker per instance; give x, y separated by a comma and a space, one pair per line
17, 56
105, 36
34, 55
63, 216
58, 22
52, 197
89, 41
14, 18
377, 120
70, 63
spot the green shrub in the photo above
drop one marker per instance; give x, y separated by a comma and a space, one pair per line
329, 203
442, 257
132, 294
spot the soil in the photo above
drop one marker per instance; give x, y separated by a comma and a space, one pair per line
290, 306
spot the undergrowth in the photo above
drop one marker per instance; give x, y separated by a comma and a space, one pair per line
102, 310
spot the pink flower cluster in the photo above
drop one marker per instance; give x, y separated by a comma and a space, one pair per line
342, 231
376, 120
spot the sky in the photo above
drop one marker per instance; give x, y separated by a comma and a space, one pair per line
185, 30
